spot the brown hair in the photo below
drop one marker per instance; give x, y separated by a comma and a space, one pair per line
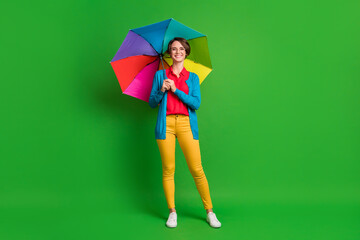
183, 42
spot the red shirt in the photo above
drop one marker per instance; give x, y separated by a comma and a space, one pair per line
174, 104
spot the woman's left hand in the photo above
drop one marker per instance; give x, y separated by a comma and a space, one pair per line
172, 84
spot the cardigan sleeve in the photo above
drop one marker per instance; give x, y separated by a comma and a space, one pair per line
193, 100
156, 94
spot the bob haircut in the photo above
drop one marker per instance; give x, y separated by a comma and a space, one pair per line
183, 42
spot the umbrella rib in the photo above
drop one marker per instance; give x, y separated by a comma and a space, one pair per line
196, 37
162, 45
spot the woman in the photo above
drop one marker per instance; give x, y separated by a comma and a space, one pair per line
179, 97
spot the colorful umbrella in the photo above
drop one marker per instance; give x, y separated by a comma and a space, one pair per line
142, 53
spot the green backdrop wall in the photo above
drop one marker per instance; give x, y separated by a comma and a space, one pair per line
279, 123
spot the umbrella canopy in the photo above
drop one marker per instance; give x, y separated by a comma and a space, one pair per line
142, 53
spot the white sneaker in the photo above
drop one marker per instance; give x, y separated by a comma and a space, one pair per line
172, 220
212, 220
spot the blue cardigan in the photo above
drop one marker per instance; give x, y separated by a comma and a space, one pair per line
192, 101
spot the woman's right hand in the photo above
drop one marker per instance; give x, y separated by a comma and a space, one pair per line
165, 86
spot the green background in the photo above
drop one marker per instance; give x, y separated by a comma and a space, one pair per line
279, 123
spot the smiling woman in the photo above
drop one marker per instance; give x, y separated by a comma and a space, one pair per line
179, 97
178, 49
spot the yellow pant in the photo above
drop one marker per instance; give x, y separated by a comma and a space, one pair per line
178, 126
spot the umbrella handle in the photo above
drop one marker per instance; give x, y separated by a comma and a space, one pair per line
162, 65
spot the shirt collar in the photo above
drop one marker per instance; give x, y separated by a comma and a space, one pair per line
183, 71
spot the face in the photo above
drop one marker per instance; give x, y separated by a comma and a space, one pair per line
177, 52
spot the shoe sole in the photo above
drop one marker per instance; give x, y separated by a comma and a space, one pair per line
171, 226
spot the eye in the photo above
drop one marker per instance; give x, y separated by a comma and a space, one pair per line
181, 49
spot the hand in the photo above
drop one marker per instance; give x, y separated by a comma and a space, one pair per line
165, 86
171, 84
